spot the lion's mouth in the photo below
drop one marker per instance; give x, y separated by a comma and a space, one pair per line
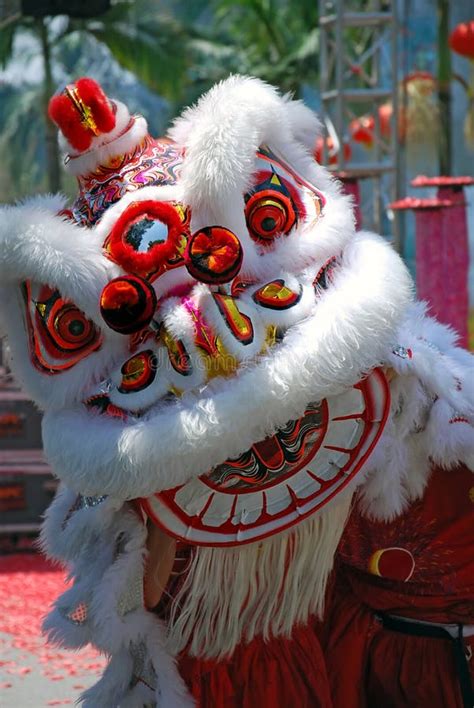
203, 334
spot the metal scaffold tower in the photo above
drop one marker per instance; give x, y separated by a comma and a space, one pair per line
358, 51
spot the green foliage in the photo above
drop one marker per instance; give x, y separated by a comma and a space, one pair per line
24, 149
277, 40
7, 34
176, 48
150, 43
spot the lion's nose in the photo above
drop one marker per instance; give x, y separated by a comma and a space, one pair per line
127, 304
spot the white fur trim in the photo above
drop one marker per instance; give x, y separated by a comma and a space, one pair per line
35, 244
352, 328
68, 523
305, 125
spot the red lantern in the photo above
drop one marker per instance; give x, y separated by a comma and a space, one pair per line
331, 151
362, 130
461, 39
385, 116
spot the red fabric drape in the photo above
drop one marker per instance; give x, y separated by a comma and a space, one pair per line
280, 673
420, 566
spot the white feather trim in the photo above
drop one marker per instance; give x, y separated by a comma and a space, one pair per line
432, 415
108, 570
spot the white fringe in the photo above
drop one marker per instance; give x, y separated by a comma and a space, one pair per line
231, 595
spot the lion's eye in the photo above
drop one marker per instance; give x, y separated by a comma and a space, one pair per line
272, 208
60, 334
270, 215
71, 328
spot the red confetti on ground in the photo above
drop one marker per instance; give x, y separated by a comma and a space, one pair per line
29, 584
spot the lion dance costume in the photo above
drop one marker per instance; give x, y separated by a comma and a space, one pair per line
208, 338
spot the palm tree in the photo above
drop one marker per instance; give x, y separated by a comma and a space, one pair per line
277, 40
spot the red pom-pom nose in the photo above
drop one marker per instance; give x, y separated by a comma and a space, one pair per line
213, 255
128, 304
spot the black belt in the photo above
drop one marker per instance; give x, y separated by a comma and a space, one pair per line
437, 631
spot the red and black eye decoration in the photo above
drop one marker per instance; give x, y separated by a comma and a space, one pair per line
138, 372
272, 208
60, 333
149, 238
214, 255
127, 304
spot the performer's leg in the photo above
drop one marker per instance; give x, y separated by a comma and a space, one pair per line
161, 554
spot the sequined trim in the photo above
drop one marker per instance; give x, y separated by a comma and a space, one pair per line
143, 670
78, 615
132, 597
82, 502
402, 352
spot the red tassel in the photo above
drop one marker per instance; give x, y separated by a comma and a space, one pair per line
81, 112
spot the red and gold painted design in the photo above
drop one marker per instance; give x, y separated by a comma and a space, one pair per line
60, 335
177, 354
239, 324
282, 479
277, 296
138, 372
